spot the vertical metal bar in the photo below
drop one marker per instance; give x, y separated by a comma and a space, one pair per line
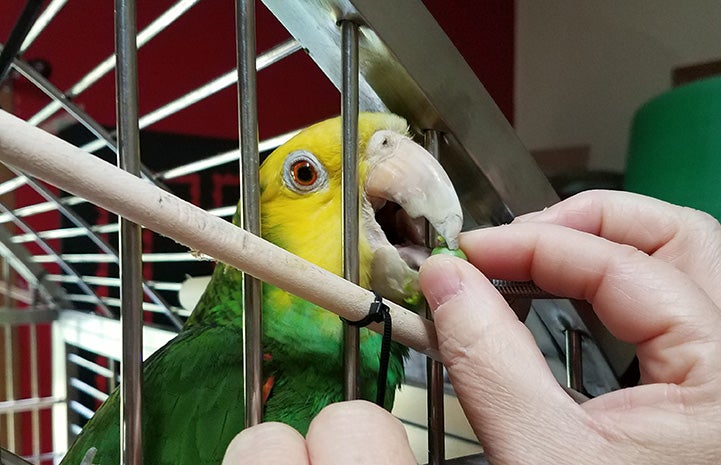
9, 366
351, 206
131, 293
59, 376
574, 360
25, 228
34, 392
250, 209
17, 36
113, 379
434, 370
34, 376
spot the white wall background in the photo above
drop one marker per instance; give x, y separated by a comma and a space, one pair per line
583, 67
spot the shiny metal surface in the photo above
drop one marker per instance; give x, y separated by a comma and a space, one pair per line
102, 245
485, 159
250, 206
22, 27
351, 199
167, 18
263, 60
434, 369
574, 360
19, 259
520, 290
56, 258
34, 392
104, 137
8, 352
8, 458
549, 321
131, 294
43, 20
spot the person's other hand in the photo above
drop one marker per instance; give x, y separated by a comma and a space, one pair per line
353, 433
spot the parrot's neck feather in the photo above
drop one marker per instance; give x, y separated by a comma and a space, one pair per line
222, 301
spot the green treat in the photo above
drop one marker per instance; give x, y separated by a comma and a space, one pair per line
443, 249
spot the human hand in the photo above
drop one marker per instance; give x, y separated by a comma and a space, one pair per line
353, 433
651, 271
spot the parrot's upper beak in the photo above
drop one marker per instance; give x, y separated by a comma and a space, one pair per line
402, 172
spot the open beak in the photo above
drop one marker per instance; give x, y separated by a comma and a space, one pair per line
402, 172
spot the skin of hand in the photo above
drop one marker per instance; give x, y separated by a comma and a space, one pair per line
651, 271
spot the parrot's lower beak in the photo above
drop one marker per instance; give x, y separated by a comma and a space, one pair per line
402, 172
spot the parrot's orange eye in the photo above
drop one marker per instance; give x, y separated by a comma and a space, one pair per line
302, 172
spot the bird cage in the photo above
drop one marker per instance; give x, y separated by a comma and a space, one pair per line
81, 284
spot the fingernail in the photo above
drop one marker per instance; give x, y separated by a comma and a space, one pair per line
440, 279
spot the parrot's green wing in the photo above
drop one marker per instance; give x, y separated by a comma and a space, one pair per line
192, 403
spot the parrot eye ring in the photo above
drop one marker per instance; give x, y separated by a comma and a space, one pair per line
302, 172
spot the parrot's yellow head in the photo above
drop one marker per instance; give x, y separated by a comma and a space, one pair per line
301, 201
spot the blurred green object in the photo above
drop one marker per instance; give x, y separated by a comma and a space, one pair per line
675, 147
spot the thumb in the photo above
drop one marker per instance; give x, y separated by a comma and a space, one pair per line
502, 381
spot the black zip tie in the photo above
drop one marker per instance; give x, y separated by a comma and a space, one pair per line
379, 313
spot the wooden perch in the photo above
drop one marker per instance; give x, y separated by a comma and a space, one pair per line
63, 165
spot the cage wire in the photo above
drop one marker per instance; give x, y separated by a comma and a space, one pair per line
62, 290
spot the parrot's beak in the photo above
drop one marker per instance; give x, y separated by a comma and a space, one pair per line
402, 172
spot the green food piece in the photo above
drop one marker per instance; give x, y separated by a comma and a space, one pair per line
443, 249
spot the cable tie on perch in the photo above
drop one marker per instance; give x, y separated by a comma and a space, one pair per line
379, 312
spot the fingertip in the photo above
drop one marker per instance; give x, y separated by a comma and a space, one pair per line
492, 358
440, 279
360, 408
267, 443
354, 414
341, 432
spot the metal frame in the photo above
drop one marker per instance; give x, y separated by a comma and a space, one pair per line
364, 51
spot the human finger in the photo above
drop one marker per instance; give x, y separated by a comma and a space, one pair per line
360, 433
640, 299
267, 444
502, 380
687, 238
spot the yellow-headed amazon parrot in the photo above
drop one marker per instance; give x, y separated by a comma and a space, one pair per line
192, 387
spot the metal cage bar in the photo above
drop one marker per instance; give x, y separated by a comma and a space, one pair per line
8, 354
350, 200
434, 369
250, 207
18, 35
108, 64
131, 294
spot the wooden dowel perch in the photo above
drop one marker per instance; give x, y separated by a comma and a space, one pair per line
63, 165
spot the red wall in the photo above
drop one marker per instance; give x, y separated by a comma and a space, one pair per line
201, 46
